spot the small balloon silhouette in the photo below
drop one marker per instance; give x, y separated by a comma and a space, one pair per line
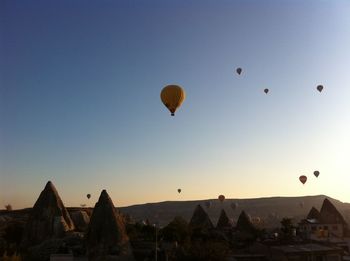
320, 88
303, 179
221, 198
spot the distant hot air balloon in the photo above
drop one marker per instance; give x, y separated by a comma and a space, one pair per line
266, 91
234, 205
208, 204
221, 198
316, 173
179, 190
239, 70
320, 88
172, 97
303, 179
88, 196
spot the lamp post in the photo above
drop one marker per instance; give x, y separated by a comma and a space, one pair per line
155, 227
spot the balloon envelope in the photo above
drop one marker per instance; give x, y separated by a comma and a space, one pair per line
303, 179
179, 190
266, 91
88, 196
239, 70
316, 173
320, 88
172, 97
221, 198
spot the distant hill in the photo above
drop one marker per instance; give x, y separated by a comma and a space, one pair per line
270, 210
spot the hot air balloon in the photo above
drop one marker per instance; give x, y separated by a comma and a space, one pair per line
172, 96
303, 179
320, 88
239, 70
266, 91
221, 198
316, 173
208, 204
88, 196
234, 205
179, 190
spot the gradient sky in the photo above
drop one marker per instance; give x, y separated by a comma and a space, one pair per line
79, 99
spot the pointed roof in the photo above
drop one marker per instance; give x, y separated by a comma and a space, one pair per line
106, 233
329, 214
200, 219
244, 224
48, 218
314, 214
223, 221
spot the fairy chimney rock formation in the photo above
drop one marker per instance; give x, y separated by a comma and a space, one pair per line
106, 234
314, 214
223, 222
244, 224
48, 219
200, 219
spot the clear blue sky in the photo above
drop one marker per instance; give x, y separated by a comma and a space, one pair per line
79, 99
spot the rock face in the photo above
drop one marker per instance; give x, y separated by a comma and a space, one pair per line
200, 219
330, 215
106, 235
81, 220
223, 222
48, 218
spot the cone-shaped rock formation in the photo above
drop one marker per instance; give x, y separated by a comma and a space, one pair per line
314, 214
244, 224
106, 234
223, 222
48, 218
200, 219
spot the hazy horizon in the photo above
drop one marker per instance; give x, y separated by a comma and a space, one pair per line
80, 106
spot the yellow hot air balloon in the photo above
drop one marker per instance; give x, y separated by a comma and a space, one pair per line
172, 96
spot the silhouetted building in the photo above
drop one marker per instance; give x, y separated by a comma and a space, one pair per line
325, 225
